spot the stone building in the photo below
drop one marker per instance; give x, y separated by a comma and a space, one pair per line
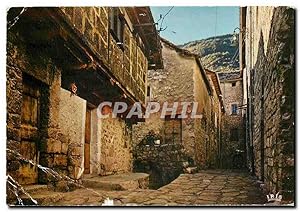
184, 79
61, 63
267, 56
217, 115
232, 126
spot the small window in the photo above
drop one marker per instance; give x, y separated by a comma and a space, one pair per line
148, 91
233, 84
117, 24
234, 134
234, 109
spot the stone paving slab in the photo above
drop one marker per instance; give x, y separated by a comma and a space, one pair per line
126, 181
217, 187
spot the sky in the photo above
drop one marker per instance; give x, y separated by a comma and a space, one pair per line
186, 24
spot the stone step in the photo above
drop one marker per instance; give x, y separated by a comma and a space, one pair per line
32, 189
120, 182
42, 198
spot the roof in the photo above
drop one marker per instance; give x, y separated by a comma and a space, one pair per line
233, 75
216, 84
143, 23
178, 49
215, 80
187, 53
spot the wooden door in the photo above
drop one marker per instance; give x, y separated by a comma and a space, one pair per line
173, 130
87, 141
30, 117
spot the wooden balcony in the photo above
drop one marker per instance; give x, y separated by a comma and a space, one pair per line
127, 63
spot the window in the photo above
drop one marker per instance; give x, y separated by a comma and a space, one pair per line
117, 25
234, 109
234, 134
148, 91
233, 84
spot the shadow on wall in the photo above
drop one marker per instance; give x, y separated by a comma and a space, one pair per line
158, 176
163, 162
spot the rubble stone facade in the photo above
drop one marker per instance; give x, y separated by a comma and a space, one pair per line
50, 124
164, 162
116, 147
184, 80
217, 114
232, 122
270, 82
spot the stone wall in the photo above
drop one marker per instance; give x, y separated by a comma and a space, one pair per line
205, 147
53, 143
95, 145
116, 147
171, 84
216, 126
154, 123
14, 87
72, 111
232, 95
274, 105
49, 146
182, 80
271, 104
164, 162
57, 140
258, 20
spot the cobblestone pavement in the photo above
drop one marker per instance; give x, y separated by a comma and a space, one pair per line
216, 187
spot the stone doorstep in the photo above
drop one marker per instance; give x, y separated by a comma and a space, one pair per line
41, 193
119, 182
42, 197
36, 188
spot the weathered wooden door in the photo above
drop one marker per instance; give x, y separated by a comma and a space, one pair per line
30, 129
173, 130
87, 141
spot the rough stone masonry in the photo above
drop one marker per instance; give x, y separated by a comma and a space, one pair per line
272, 97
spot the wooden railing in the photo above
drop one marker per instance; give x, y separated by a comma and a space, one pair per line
127, 63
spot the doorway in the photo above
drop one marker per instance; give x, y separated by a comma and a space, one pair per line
172, 130
30, 129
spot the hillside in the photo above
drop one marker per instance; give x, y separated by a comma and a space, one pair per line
216, 52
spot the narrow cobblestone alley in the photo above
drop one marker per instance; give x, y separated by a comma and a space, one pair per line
104, 108
211, 187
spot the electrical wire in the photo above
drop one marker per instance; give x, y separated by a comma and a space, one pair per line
214, 41
216, 23
163, 18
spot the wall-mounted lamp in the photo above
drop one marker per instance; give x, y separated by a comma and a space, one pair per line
237, 32
73, 89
